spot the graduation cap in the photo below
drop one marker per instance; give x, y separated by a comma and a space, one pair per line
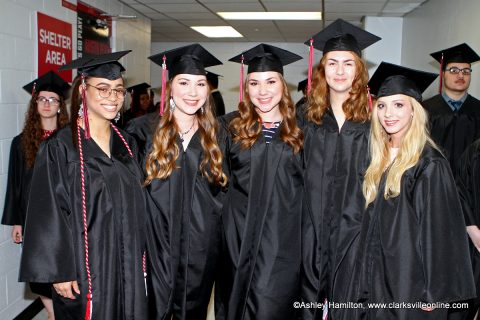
302, 85
100, 66
343, 36
390, 79
212, 78
266, 57
459, 53
191, 59
138, 88
50, 81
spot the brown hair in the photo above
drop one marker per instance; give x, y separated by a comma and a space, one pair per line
246, 126
32, 131
355, 107
160, 162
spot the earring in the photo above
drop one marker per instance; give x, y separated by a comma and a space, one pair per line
201, 109
411, 114
58, 111
117, 117
172, 105
80, 111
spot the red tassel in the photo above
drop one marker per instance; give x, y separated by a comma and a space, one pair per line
441, 75
85, 110
88, 311
241, 80
33, 88
370, 102
164, 82
310, 67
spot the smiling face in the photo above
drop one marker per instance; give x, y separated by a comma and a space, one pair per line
100, 107
340, 71
48, 104
395, 114
265, 90
189, 92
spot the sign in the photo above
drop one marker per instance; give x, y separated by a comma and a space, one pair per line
54, 45
69, 5
93, 31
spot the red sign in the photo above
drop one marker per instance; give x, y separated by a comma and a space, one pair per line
69, 5
54, 45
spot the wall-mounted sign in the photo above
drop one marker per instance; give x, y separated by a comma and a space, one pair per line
93, 31
54, 45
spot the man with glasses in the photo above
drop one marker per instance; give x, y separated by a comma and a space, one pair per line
454, 114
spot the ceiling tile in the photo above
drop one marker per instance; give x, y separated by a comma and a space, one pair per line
235, 6
178, 7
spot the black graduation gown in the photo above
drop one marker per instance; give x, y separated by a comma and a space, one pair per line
184, 237
453, 131
335, 163
414, 246
142, 127
18, 186
468, 184
262, 232
53, 244
218, 102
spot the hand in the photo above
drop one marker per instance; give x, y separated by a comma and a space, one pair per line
474, 234
17, 234
65, 289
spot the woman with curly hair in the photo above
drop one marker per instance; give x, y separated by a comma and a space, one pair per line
413, 226
47, 112
263, 207
185, 181
85, 219
336, 155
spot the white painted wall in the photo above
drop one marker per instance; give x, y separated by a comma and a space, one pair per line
440, 24
18, 66
229, 84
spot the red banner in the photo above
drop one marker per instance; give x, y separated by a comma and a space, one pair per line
69, 5
54, 45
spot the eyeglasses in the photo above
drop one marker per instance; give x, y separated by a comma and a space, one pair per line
52, 101
464, 71
106, 92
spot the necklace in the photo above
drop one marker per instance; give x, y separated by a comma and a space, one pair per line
182, 134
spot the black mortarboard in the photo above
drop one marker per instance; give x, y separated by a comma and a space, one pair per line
212, 78
302, 85
100, 66
139, 88
459, 53
265, 57
50, 81
191, 59
343, 36
390, 79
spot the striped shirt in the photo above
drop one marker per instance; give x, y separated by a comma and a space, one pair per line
269, 129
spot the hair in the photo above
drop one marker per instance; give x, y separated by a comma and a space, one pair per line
411, 148
32, 133
355, 107
246, 125
161, 161
135, 105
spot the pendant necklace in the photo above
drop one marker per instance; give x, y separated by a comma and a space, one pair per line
182, 134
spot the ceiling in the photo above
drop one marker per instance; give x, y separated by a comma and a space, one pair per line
172, 19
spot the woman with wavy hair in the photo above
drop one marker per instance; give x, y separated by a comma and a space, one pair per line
185, 182
413, 227
262, 213
47, 112
85, 219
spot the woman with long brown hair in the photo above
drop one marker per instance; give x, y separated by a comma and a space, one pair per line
47, 113
185, 181
85, 217
263, 207
336, 156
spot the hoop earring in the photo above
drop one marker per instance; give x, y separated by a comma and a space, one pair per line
80, 111
117, 117
172, 105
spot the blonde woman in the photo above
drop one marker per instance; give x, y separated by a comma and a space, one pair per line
413, 243
185, 181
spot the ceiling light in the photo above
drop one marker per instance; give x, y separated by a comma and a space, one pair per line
218, 32
271, 15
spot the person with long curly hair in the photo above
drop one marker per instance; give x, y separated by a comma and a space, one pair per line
413, 241
46, 113
85, 218
262, 212
185, 182
336, 127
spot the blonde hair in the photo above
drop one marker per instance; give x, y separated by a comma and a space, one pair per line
161, 161
409, 153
